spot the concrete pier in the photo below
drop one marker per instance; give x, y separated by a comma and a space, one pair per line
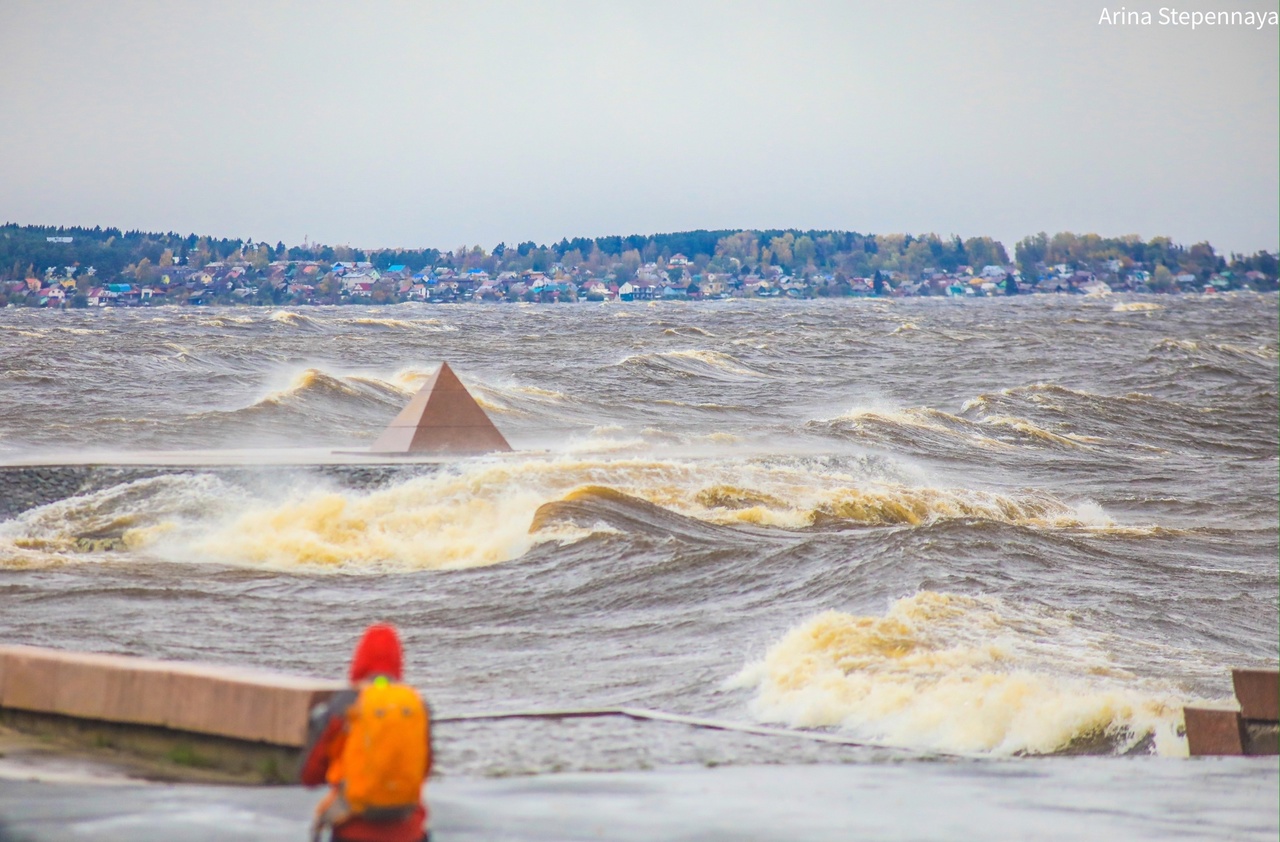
239, 721
1252, 730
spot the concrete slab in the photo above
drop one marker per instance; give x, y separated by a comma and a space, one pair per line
241, 704
1214, 732
1258, 692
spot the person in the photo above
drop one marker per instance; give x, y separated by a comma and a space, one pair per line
372, 745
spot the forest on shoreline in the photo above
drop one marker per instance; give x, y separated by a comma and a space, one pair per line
33, 256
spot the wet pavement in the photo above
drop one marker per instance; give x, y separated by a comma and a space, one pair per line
1050, 799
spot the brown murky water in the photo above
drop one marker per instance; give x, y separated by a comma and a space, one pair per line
1000, 526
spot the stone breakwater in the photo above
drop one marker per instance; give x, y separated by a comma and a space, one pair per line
27, 487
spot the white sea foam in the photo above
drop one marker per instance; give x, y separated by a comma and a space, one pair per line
479, 511
957, 673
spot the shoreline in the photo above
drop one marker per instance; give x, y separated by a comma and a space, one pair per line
284, 305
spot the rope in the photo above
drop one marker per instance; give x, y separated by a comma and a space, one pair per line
645, 714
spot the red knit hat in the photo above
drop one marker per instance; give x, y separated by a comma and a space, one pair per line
378, 653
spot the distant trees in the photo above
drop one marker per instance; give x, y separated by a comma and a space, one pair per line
804, 250
780, 248
1031, 251
1128, 251
143, 272
744, 247
143, 257
1161, 279
984, 251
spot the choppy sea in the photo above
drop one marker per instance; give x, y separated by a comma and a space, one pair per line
999, 527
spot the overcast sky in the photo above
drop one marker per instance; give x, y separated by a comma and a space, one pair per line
438, 124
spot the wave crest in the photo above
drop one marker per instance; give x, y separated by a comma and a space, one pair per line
957, 673
314, 384
486, 511
991, 431
691, 363
292, 319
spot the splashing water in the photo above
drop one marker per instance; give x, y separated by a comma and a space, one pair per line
961, 674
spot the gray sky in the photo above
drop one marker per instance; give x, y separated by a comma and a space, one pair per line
438, 124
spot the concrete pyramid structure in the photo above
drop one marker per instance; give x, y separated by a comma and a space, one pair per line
441, 418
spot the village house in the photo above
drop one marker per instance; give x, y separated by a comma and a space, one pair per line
357, 282
712, 285
793, 287
596, 290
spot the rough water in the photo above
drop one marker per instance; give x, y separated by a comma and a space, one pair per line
998, 527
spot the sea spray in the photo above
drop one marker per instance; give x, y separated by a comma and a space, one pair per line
957, 673
478, 512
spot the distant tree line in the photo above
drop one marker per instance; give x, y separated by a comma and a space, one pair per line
26, 251
1159, 255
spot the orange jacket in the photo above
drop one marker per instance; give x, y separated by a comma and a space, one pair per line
378, 653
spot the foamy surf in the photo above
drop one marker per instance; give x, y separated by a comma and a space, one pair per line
427, 523
995, 432
479, 512
428, 325
963, 674
694, 362
291, 319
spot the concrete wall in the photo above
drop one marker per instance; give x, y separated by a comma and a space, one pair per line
241, 704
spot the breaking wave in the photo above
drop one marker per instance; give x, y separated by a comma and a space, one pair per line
962, 674
687, 330
1071, 403
1046, 417
429, 325
507, 398
292, 319
922, 425
690, 363
126, 516
226, 321
393, 323
314, 391
486, 511
315, 385
1216, 352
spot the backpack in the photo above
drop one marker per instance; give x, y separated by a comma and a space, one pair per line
383, 761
